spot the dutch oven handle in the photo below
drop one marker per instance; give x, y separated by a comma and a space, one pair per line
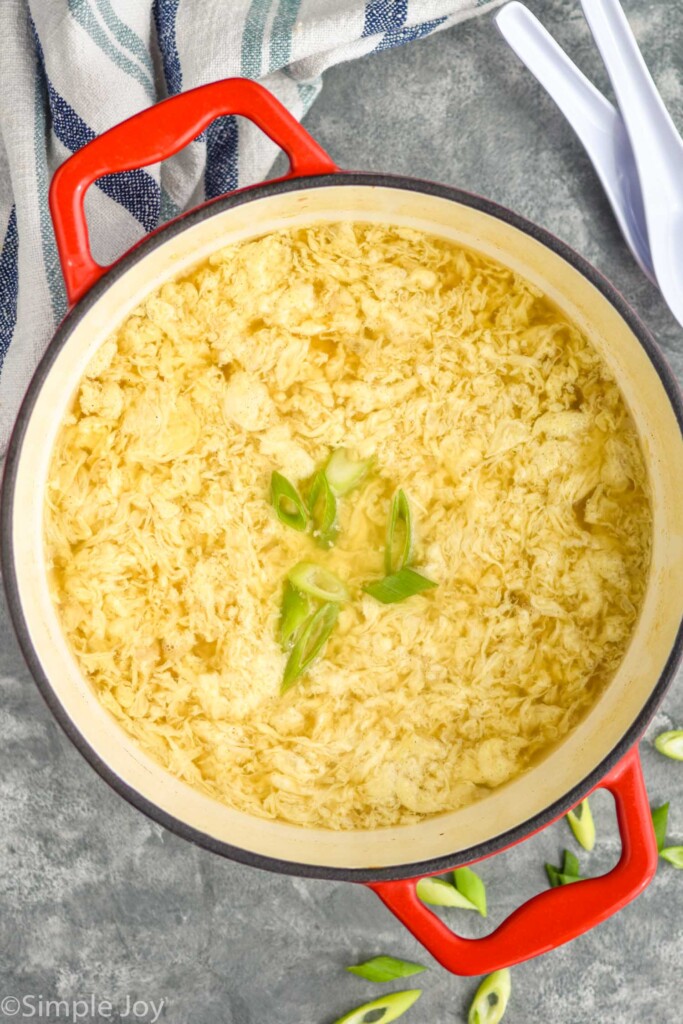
555, 916
153, 135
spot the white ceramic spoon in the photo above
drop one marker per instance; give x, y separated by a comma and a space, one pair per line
657, 146
597, 123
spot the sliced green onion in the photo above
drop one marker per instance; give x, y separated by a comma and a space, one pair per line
569, 872
674, 855
312, 639
383, 1010
472, 888
582, 825
660, 820
399, 519
399, 586
570, 864
438, 893
344, 472
313, 579
491, 999
386, 968
322, 504
296, 608
557, 877
289, 506
671, 744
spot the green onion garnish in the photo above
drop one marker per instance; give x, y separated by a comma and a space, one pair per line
491, 999
674, 855
556, 877
296, 608
386, 968
471, 887
399, 520
383, 1010
439, 893
570, 864
289, 506
399, 586
582, 825
671, 744
310, 643
344, 473
569, 872
313, 579
660, 820
322, 505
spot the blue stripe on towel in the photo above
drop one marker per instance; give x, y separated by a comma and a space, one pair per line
9, 283
85, 17
165, 13
53, 268
384, 16
222, 172
136, 191
281, 33
252, 38
406, 35
125, 35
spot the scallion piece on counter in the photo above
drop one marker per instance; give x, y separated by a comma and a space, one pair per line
313, 579
439, 893
491, 999
674, 855
296, 607
322, 505
660, 820
671, 744
289, 506
383, 1010
582, 825
344, 472
471, 887
385, 968
556, 877
570, 864
569, 872
310, 643
399, 544
399, 586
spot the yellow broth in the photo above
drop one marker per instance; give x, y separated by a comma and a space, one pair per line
468, 389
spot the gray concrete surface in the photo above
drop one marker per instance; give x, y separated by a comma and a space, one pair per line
95, 899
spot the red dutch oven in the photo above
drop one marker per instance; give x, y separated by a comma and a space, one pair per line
600, 753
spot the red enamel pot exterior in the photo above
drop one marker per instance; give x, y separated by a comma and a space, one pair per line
154, 135
554, 916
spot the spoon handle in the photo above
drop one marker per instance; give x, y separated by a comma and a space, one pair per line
657, 146
596, 122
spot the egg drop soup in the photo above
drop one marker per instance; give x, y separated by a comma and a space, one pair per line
462, 385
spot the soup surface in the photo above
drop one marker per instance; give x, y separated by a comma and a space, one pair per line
468, 390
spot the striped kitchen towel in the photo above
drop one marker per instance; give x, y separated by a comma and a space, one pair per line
70, 69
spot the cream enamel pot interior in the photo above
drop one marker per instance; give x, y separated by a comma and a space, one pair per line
601, 751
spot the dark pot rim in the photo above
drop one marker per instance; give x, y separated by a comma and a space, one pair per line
128, 261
